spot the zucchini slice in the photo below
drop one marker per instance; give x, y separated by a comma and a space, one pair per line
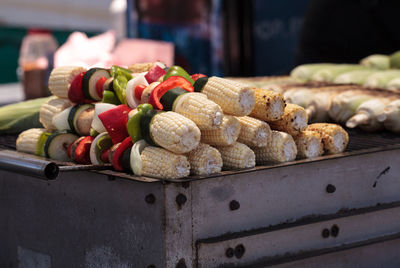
89, 81
100, 143
167, 100
145, 126
57, 143
74, 115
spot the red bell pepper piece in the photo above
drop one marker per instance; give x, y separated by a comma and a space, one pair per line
116, 159
162, 88
154, 73
75, 93
82, 151
114, 120
197, 76
104, 156
138, 91
99, 86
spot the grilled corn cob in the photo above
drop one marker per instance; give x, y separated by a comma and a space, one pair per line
204, 160
281, 148
28, 141
376, 61
394, 85
309, 144
293, 121
298, 95
269, 105
381, 79
174, 132
160, 163
357, 77
225, 134
334, 137
390, 117
253, 132
234, 98
330, 73
61, 79
51, 108
195, 106
237, 155
306, 71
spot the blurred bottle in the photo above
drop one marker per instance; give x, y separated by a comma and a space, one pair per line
36, 62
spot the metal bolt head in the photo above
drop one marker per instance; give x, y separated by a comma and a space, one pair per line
150, 199
181, 199
229, 253
239, 251
181, 264
330, 188
335, 230
325, 233
234, 205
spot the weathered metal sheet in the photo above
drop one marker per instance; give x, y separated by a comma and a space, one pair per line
240, 249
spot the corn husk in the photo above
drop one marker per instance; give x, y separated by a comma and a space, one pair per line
306, 71
357, 77
376, 61
381, 79
329, 74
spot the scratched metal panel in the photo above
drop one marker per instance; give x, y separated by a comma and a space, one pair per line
270, 244
284, 194
81, 219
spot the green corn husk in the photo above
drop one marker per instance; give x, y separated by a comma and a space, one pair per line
15, 118
394, 84
329, 74
306, 71
395, 60
382, 78
354, 77
391, 117
376, 61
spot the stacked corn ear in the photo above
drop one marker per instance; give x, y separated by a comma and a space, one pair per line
306, 71
299, 95
269, 105
293, 121
234, 98
51, 108
309, 144
160, 163
174, 132
395, 60
381, 79
204, 160
61, 79
357, 77
394, 85
376, 61
198, 108
27, 141
334, 137
281, 148
253, 132
390, 117
330, 73
225, 134
237, 156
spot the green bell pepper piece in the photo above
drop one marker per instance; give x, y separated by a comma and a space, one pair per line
133, 124
116, 70
109, 97
178, 71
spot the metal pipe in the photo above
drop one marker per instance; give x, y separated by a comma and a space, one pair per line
28, 165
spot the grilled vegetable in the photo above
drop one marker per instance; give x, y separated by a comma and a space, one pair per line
60, 120
75, 93
110, 97
395, 60
101, 144
121, 77
99, 108
51, 108
306, 71
57, 143
225, 134
330, 73
147, 91
144, 67
394, 85
132, 91
80, 119
178, 71
281, 148
118, 153
133, 125
357, 77
269, 105
114, 121
237, 156
334, 137
32, 141
381, 79
80, 150
154, 74
376, 61
234, 98
61, 78
391, 116
253, 132
309, 144
298, 95
89, 82
204, 160
293, 121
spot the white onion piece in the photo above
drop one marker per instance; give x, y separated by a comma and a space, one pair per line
60, 120
98, 109
136, 159
130, 90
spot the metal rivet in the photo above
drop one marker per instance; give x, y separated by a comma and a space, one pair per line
239, 251
150, 199
334, 230
234, 205
229, 252
181, 264
181, 199
330, 188
325, 233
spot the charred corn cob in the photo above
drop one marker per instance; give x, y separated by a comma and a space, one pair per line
237, 155
293, 121
174, 132
234, 98
225, 134
381, 79
334, 137
306, 71
61, 79
357, 77
309, 144
330, 73
28, 141
269, 105
51, 108
390, 117
281, 148
253, 132
376, 61
202, 111
204, 160
160, 163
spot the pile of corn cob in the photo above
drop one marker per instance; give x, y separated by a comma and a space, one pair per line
207, 123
